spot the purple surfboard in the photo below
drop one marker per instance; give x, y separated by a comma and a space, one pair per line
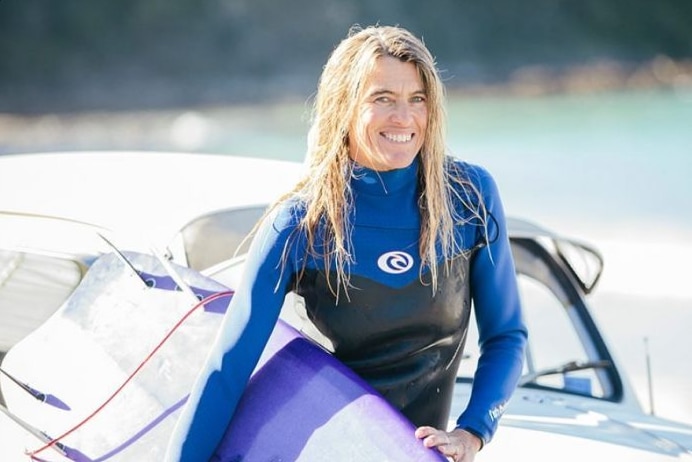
303, 404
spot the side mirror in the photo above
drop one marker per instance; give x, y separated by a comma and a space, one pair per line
584, 262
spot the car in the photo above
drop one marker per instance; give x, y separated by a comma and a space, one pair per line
60, 212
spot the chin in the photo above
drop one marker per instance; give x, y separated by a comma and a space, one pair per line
386, 161
398, 162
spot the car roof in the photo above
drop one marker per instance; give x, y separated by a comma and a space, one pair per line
522, 228
136, 191
150, 186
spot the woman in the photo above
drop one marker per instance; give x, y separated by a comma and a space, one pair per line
388, 240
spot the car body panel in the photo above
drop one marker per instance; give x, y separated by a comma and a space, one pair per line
570, 428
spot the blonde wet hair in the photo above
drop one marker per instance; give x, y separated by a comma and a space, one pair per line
325, 190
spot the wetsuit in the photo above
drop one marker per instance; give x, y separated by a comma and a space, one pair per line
391, 329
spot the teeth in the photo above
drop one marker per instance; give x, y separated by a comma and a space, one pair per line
398, 138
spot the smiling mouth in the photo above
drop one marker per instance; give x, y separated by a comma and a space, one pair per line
398, 138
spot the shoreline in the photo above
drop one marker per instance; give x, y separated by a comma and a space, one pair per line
115, 93
660, 73
189, 127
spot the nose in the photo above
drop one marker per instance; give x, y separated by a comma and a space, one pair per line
401, 113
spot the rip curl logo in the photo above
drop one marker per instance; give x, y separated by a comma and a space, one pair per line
395, 262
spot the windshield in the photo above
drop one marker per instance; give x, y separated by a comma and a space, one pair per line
562, 350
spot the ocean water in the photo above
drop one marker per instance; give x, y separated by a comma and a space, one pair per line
612, 170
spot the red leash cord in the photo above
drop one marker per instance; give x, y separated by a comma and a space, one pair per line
203, 302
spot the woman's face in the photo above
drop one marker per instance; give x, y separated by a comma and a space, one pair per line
392, 117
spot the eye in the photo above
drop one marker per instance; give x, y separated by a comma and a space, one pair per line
418, 99
383, 99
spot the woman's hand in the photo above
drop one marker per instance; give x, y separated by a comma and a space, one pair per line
458, 445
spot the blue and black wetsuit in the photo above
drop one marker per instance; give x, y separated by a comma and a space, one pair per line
391, 329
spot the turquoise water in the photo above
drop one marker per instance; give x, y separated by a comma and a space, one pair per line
582, 162
616, 159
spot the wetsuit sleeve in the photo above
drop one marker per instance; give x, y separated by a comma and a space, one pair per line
245, 329
502, 333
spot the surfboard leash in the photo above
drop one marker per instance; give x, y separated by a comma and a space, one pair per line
55, 442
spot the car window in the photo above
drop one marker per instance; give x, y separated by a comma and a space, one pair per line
558, 337
554, 341
214, 238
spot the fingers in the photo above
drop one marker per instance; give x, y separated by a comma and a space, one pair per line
422, 432
452, 445
432, 437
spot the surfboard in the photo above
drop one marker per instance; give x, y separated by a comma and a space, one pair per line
116, 362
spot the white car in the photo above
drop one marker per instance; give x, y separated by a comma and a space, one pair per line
574, 402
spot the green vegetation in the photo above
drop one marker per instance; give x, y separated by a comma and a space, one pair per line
78, 54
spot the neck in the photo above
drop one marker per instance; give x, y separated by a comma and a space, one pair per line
384, 182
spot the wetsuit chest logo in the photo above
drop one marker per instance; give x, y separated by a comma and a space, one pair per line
395, 262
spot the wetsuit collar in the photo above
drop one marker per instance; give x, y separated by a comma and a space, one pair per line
383, 183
